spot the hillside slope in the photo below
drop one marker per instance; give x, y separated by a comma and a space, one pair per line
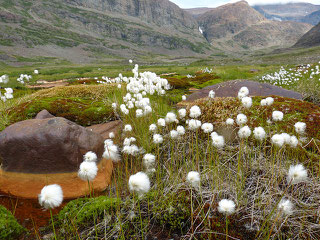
238, 26
310, 39
86, 30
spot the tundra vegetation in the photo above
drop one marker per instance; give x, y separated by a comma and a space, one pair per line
219, 168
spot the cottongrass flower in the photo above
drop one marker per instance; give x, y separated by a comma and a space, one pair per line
293, 141
195, 112
246, 102
149, 160
112, 152
285, 206
127, 128
194, 124
244, 132
263, 102
108, 142
286, 138
181, 131
161, 122
300, 127
211, 94
277, 116
114, 105
243, 92
182, 113
119, 86
184, 98
36, 71
157, 138
139, 183
153, 128
88, 171
90, 157
51, 196
174, 134
130, 61
131, 150
297, 174
139, 113
217, 141
207, 127
227, 207
193, 178
111, 135
277, 140
170, 117
229, 121
241, 119
259, 133
269, 101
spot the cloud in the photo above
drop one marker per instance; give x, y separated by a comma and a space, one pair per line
216, 3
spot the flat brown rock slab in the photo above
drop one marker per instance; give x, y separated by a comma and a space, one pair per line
52, 145
43, 115
105, 128
231, 88
29, 185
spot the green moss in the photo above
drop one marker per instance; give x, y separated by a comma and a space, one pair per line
9, 227
84, 211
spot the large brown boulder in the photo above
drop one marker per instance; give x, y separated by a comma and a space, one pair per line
44, 114
38, 152
52, 145
231, 88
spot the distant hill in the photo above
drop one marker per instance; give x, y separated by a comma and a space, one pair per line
297, 12
87, 30
310, 39
239, 26
313, 18
196, 12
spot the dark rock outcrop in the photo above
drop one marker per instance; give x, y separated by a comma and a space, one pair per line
44, 114
310, 39
231, 88
105, 128
52, 145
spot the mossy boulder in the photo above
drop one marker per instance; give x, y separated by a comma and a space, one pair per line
84, 105
9, 227
84, 211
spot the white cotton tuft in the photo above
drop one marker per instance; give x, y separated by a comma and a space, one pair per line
229, 121
259, 133
139, 183
195, 112
194, 124
90, 157
241, 119
174, 134
112, 152
153, 128
181, 131
246, 102
149, 160
170, 117
277, 140
211, 94
111, 135
300, 128
217, 141
127, 128
207, 127
277, 116
88, 171
226, 207
182, 113
269, 101
263, 102
244, 132
161, 122
243, 92
285, 206
157, 138
193, 178
184, 98
293, 141
297, 174
51, 196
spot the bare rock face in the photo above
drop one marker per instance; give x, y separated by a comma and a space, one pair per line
44, 114
231, 88
51, 145
105, 128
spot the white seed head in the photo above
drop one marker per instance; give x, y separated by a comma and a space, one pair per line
90, 157
149, 160
51, 196
241, 119
300, 128
184, 98
88, 171
182, 113
111, 135
293, 141
139, 183
181, 131
174, 134
195, 112
127, 128
112, 152
170, 117
277, 140
277, 116
193, 178
285, 206
207, 127
157, 138
297, 174
161, 122
194, 124
259, 133
269, 101
211, 94
217, 141
153, 128
230, 121
246, 102
244, 132
226, 207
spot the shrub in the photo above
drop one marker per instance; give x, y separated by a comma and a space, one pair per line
9, 227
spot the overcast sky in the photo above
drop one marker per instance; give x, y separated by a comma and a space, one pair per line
216, 3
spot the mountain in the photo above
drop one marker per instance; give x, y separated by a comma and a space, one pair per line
87, 30
310, 39
297, 12
196, 12
239, 26
313, 18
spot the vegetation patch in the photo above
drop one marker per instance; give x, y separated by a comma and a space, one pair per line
9, 227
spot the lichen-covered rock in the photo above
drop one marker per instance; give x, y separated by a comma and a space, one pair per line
231, 88
9, 227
